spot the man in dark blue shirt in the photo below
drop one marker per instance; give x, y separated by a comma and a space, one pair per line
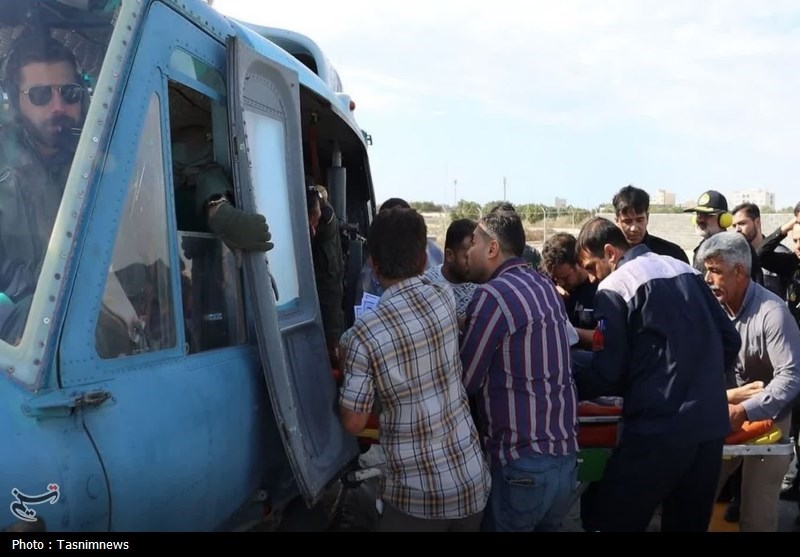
666, 349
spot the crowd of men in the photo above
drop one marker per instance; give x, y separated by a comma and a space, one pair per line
476, 359
477, 367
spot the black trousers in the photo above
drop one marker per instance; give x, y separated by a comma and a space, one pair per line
683, 480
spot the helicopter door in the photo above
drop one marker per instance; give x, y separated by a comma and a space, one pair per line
264, 107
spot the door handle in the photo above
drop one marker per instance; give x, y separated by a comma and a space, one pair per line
59, 404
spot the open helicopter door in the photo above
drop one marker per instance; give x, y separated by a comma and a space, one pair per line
264, 106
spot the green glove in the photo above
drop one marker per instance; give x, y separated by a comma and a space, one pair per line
240, 230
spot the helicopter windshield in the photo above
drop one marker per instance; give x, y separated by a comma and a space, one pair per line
52, 52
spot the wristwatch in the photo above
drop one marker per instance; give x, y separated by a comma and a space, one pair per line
215, 201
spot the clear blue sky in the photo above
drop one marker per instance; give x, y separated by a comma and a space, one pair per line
574, 98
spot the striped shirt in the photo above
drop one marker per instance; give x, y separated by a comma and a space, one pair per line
516, 358
404, 354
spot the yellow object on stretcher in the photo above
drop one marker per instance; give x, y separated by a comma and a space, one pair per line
760, 432
772, 436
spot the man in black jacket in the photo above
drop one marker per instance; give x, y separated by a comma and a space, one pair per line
787, 267
747, 222
632, 210
667, 345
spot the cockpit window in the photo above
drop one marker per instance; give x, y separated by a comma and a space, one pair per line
51, 52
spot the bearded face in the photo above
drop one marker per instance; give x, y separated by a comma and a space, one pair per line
50, 112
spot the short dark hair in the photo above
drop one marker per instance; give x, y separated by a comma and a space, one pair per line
29, 48
504, 206
313, 195
457, 231
796, 209
394, 203
397, 241
630, 199
505, 227
559, 249
598, 232
751, 210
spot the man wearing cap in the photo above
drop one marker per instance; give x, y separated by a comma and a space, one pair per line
712, 217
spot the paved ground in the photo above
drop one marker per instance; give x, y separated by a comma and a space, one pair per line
352, 509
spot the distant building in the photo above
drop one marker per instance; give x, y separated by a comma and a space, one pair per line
764, 199
663, 197
561, 203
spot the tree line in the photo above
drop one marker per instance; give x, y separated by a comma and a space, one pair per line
536, 212
531, 212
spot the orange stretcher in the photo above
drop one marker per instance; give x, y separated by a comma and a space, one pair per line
600, 425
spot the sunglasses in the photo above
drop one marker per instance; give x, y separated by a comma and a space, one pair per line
40, 95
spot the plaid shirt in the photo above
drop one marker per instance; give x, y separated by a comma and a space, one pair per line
404, 352
517, 361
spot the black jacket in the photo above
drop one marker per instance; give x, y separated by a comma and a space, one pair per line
785, 265
668, 348
659, 246
326, 250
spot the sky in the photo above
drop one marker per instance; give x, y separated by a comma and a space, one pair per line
572, 99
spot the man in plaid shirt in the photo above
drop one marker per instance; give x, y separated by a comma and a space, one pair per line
403, 354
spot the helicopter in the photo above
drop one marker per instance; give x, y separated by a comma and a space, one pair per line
152, 378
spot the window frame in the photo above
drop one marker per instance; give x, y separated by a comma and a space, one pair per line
220, 130
171, 238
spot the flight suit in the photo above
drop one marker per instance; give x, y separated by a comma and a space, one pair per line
326, 250
30, 195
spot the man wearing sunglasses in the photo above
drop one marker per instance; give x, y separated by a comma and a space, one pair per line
45, 92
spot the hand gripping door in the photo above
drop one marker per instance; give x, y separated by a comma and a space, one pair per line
264, 106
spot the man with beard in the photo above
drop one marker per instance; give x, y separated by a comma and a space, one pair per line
747, 222
712, 217
454, 271
46, 94
517, 364
667, 346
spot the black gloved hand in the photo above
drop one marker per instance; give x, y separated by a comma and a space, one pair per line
240, 230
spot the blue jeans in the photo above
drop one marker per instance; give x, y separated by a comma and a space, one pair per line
530, 494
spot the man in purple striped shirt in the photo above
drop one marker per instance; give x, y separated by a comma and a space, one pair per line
516, 357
